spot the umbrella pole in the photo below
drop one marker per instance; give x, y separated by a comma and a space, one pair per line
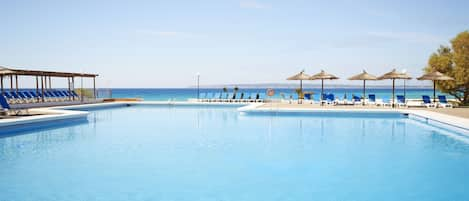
301, 92
404, 91
363, 101
301, 85
393, 82
322, 90
434, 91
1, 82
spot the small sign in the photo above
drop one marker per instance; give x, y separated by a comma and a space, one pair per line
270, 92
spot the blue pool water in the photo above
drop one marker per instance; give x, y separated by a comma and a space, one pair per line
186, 93
216, 153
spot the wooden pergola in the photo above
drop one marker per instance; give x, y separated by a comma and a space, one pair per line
44, 77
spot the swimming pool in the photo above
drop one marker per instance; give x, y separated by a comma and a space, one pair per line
216, 153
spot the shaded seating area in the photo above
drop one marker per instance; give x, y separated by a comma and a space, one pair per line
43, 94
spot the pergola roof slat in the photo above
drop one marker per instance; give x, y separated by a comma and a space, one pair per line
10, 71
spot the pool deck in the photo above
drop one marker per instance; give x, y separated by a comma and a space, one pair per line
454, 117
457, 112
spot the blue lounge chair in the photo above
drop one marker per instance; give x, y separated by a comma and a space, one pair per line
68, 95
443, 102
356, 100
401, 101
308, 97
57, 95
26, 96
427, 102
62, 96
6, 108
330, 99
74, 94
9, 97
35, 95
371, 99
324, 97
50, 95
17, 97
261, 97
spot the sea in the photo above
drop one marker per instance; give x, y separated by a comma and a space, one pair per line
183, 94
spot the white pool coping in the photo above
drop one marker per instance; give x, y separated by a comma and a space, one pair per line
47, 115
458, 124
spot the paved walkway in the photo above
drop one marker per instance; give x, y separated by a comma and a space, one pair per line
458, 112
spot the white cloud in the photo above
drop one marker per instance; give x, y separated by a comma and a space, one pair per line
253, 4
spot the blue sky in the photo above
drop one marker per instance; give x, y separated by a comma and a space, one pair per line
165, 43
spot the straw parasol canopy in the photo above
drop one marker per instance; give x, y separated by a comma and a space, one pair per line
363, 76
323, 76
435, 76
300, 76
394, 75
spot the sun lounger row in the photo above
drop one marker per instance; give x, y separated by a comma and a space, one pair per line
232, 97
22, 97
6, 109
442, 102
400, 101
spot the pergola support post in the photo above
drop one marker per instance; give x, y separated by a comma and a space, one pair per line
69, 88
81, 89
11, 82
16, 79
1, 83
73, 87
42, 88
37, 87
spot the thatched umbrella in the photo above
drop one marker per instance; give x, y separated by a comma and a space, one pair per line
300, 76
323, 76
435, 76
393, 75
363, 76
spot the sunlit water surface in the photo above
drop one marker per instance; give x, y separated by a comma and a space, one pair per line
215, 153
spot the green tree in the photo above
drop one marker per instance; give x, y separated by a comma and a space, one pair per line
453, 61
300, 93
